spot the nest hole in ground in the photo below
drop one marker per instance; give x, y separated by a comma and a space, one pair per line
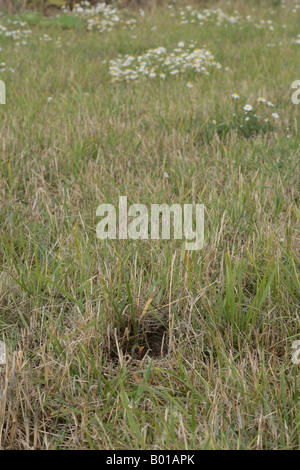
150, 331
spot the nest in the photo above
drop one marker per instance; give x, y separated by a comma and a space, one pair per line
148, 328
154, 331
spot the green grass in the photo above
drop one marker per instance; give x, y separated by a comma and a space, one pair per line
71, 306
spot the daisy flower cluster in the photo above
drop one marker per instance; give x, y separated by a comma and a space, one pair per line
264, 24
249, 108
46, 38
3, 68
189, 15
297, 40
159, 63
247, 119
15, 30
218, 17
295, 6
102, 17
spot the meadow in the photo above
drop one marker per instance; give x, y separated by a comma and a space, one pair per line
175, 103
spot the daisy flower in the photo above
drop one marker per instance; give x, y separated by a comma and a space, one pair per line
275, 115
235, 96
189, 85
248, 107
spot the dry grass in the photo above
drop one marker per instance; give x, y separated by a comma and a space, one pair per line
218, 324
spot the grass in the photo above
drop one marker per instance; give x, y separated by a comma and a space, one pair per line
218, 323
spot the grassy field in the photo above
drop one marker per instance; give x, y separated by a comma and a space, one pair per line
81, 127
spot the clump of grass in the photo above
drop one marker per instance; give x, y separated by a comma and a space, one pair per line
65, 22
32, 18
244, 121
